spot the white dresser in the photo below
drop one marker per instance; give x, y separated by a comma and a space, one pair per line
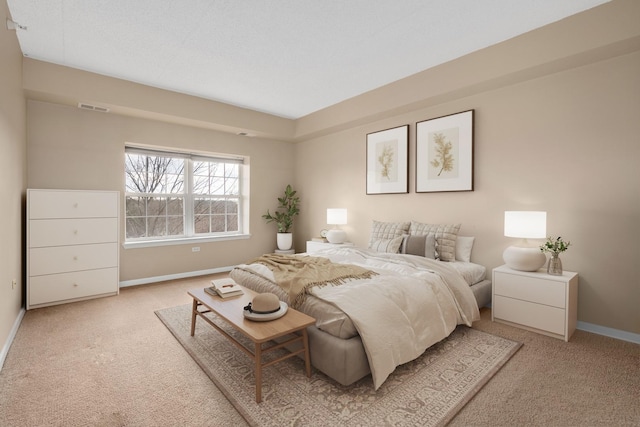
536, 301
72, 245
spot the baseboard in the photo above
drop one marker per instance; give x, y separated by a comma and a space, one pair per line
147, 280
609, 332
12, 335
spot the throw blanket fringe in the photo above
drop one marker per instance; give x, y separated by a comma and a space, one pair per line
296, 275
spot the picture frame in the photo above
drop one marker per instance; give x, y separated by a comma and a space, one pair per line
388, 161
444, 153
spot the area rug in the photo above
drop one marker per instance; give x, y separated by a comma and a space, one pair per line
428, 391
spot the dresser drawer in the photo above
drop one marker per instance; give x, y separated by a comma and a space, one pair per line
60, 232
549, 292
72, 204
62, 259
525, 313
68, 286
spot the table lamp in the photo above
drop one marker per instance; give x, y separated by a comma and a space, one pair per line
525, 256
336, 217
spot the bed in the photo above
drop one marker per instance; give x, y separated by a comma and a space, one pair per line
375, 308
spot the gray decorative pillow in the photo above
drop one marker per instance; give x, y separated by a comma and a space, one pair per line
424, 246
387, 245
445, 234
387, 230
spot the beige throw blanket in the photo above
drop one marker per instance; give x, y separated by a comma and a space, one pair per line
297, 274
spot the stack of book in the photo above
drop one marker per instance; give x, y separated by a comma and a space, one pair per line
224, 288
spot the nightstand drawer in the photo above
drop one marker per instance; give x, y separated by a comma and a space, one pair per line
548, 292
537, 316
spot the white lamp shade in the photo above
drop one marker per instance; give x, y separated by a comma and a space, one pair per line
336, 216
525, 224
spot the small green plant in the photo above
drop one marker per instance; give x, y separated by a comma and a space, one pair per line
555, 246
287, 209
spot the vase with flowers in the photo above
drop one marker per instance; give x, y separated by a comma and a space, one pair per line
555, 246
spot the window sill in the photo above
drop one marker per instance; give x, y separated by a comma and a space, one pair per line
183, 241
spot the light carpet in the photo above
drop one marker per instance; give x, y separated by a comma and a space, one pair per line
428, 391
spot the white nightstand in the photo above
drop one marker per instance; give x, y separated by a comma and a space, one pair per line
536, 301
317, 246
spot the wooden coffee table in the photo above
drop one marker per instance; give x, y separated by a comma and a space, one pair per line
231, 311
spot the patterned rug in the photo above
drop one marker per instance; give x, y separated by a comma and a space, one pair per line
428, 391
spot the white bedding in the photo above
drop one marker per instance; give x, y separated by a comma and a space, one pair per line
410, 305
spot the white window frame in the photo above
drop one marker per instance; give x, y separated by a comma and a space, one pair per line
189, 236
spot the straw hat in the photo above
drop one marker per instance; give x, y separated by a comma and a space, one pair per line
264, 307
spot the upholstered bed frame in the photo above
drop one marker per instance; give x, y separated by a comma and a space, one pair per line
344, 360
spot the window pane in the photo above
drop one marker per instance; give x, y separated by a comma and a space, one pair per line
135, 206
232, 187
201, 224
135, 228
232, 222
218, 223
232, 206
175, 226
217, 185
156, 226
201, 185
175, 206
175, 183
232, 170
218, 206
156, 206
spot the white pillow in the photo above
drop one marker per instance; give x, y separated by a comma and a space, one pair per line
464, 245
387, 245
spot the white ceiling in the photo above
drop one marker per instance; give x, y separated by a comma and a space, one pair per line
284, 57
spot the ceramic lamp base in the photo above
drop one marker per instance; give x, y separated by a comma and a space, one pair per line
523, 259
336, 236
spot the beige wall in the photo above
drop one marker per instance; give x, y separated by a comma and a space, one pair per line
77, 149
556, 130
12, 177
566, 143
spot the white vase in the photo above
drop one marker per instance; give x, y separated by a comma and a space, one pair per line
285, 241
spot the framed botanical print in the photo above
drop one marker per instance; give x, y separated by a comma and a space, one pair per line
388, 161
444, 153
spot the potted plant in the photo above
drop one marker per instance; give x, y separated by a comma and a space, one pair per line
283, 217
555, 247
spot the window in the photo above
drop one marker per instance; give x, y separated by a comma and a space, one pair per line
180, 195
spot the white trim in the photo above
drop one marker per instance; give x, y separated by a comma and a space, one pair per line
609, 332
183, 241
10, 338
147, 280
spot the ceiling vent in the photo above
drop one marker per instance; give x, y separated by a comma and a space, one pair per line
97, 108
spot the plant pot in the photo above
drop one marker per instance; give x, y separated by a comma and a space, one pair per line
285, 241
